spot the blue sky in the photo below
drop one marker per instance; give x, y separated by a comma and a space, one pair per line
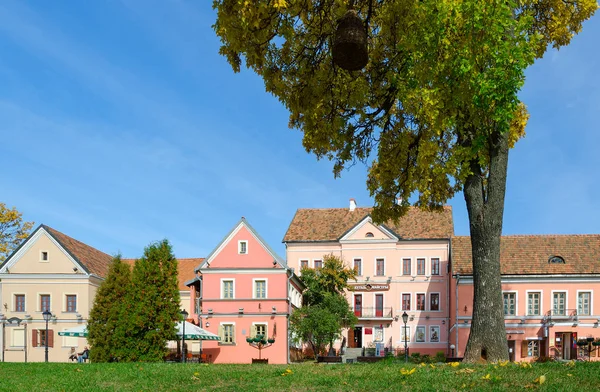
121, 125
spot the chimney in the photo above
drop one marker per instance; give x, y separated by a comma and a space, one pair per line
352, 204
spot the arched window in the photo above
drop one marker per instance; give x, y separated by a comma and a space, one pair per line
369, 235
556, 260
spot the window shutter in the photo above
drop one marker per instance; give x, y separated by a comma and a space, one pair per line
221, 334
523, 348
34, 337
253, 331
233, 333
50, 338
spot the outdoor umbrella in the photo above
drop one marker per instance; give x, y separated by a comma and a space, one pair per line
194, 332
79, 331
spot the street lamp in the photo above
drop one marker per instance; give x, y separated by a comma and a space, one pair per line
46, 313
405, 319
184, 314
452, 347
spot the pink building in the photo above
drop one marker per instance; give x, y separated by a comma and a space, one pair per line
243, 289
401, 267
550, 284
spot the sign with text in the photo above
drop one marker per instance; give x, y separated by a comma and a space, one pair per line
370, 287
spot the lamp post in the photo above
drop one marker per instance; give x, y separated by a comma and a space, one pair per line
405, 319
46, 313
452, 347
184, 314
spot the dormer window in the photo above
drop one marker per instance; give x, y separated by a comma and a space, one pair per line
369, 235
556, 260
243, 247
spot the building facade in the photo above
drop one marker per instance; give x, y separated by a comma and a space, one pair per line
244, 289
401, 267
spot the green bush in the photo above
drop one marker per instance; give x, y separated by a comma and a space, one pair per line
440, 356
415, 358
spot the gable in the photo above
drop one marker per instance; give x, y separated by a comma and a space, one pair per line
367, 231
28, 259
256, 256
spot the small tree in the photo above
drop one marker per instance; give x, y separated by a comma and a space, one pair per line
12, 230
154, 303
106, 327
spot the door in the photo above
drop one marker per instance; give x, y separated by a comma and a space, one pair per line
357, 337
358, 305
378, 305
566, 345
511, 350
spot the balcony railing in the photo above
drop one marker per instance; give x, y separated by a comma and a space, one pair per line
373, 313
560, 314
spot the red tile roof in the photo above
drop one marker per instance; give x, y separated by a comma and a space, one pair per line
95, 261
330, 224
529, 254
185, 269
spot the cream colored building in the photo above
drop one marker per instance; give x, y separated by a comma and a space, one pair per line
53, 271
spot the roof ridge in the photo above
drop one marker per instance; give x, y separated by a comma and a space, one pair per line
74, 239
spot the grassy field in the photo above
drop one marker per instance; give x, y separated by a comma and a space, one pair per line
298, 377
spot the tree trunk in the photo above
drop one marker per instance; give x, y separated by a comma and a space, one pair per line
485, 205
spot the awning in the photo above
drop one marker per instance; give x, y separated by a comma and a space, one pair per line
78, 331
194, 332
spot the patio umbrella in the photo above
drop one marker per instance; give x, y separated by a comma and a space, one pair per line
79, 331
194, 332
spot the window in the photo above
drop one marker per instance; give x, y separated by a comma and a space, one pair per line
556, 260
380, 267
434, 301
434, 334
38, 338
559, 301
71, 303
420, 334
406, 267
533, 304
358, 305
510, 304
358, 267
303, 264
369, 235
405, 333
533, 348
318, 264
259, 329
378, 305
227, 289
19, 302
420, 266
405, 301
243, 247
420, 301
260, 289
44, 256
435, 266
44, 302
227, 333
583, 303
377, 334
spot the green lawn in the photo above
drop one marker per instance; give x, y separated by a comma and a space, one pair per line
300, 377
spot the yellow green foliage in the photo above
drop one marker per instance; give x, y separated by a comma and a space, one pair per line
443, 76
12, 230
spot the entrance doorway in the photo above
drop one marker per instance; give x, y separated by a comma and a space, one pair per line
565, 344
355, 337
511, 350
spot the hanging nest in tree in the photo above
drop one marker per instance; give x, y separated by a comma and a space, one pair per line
350, 43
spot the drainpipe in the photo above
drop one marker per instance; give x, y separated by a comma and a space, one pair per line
289, 272
456, 316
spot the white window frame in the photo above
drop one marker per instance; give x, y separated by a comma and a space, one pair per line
222, 293
240, 242
315, 260
591, 310
566, 306
300, 264
439, 301
402, 334
439, 259
540, 305
39, 302
439, 339
424, 328
375, 266
375, 340
254, 280
266, 324
360, 271
14, 302
531, 345
375, 302
64, 307
424, 266
402, 266
402, 302
42, 251
417, 302
516, 293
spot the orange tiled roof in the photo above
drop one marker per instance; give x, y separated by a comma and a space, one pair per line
95, 261
185, 269
330, 224
529, 254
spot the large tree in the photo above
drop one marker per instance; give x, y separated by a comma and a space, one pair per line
107, 322
433, 113
154, 304
12, 230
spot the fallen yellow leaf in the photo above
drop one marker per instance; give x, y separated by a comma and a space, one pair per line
407, 372
454, 364
540, 380
503, 363
486, 377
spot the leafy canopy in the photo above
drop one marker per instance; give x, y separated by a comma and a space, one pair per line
12, 230
442, 77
